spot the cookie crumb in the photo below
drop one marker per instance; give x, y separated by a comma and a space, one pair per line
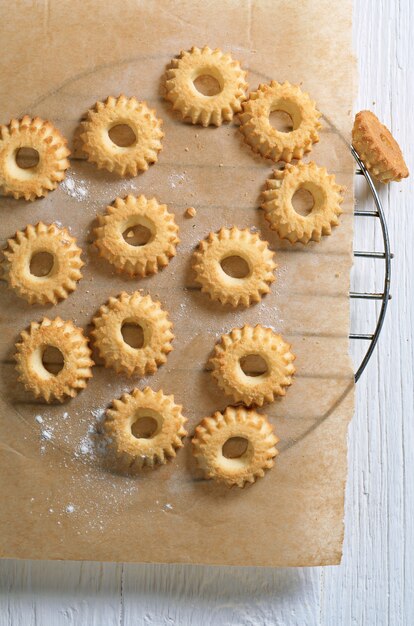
186, 149
130, 234
190, 212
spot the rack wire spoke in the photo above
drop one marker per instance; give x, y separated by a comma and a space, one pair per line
385, 256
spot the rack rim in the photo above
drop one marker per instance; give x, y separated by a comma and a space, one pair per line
385, 256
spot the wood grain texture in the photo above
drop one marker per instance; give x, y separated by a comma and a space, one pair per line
375, 583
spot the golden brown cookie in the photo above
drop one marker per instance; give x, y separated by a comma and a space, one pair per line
377, 148
133, 449
192, 104
65, 270
214, 432
279, 210
251, 389
233, 242
104, 153
125, 214
51, 147
73, 346
264, 138
141, 311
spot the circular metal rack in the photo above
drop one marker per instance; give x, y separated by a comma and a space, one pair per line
384, 255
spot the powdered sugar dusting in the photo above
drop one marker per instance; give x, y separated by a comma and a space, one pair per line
47, 434
92, 492
126, 187
98, 414
93, 444
85, 446
75, 187
176, 180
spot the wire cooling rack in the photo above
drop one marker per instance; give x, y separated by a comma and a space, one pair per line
384, 256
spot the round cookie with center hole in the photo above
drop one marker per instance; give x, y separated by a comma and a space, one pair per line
267, 140
249, 272
39, 377
253, 364
144, 429
142, 253
42, 263
377, 148
216, 436
41, 168
97, 135
206, 86
279, 209
154, 326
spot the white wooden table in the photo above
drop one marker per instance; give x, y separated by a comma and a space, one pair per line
375, 583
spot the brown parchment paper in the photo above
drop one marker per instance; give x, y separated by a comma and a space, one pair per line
58, 502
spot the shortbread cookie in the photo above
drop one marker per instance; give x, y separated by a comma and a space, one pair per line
132, 452
123, 215
195, 106
271, 143
232, 242
77, 362
377, 148
156, 329
51, 147
64, 273
104, 153
212, 434
279, 210
240, 343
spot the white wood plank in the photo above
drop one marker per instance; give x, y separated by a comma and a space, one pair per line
159, 594
36, 593
375, 583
